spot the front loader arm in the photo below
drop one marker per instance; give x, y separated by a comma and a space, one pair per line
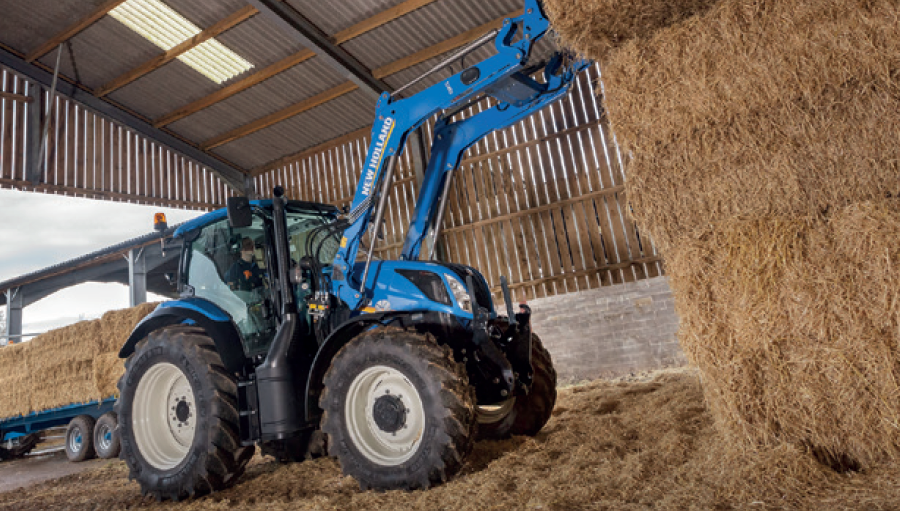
500, 76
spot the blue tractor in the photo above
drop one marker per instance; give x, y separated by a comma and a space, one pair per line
284, 338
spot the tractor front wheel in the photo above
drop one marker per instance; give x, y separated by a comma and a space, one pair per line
523, 415
399, 411
178, 418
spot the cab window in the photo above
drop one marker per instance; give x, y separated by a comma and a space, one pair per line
228, 267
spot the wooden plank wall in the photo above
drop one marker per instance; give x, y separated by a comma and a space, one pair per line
542, 202
90, 156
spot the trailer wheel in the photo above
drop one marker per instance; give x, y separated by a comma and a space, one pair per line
106, 436
399, 411
523, 415
178, 418
80, 438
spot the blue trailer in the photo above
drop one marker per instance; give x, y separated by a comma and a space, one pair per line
91, 430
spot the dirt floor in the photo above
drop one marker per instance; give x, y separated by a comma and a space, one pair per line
644, 442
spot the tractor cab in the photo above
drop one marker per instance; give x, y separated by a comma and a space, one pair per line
230, 264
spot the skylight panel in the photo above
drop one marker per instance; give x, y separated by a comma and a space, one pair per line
161, 25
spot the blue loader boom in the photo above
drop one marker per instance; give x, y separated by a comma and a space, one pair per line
287, 337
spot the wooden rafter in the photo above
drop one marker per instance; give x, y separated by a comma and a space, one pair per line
173, 53
72, 30
439, 48
16, 97
324, 146
262, 75
276, 117
344, 88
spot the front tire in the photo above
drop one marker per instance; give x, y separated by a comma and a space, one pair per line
399, 411
523, 415
178, 418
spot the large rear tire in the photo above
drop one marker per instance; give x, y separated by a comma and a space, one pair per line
399, 411
178, 417
523, 415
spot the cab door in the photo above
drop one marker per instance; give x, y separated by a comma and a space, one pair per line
219, 270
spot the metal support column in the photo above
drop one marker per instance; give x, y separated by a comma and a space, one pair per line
33, 137
137, 277
14, 306
250, 188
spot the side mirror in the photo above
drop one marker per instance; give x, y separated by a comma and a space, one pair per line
239, 213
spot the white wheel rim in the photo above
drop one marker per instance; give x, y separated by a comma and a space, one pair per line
163, 430
388, 448
490, 414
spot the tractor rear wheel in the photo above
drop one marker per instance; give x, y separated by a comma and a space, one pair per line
178, 417
399, 411
523, 415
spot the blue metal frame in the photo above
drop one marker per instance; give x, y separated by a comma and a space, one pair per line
499, 76
22, 425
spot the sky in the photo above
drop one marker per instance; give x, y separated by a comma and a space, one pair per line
39, 230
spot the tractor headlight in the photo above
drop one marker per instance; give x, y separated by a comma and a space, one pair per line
459, 292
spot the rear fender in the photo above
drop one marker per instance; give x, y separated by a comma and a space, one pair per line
197, 311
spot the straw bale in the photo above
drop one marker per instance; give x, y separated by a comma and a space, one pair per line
593, 28
15, 386
116, 325
60, 363
770, 107
73, 364
795, 326
108, 368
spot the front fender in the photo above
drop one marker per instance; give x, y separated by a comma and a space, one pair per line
203, 313
338, 338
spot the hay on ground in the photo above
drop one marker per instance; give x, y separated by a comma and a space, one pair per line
609, 446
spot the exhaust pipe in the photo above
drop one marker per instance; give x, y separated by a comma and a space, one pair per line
279, 411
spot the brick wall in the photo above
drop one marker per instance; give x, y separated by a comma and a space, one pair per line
610, 331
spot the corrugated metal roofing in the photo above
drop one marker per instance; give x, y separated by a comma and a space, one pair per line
254, 40
26, 25
333, 119
332, 17
108, 49
292, 86
424, 27
95, 60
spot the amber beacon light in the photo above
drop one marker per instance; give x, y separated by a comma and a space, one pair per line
159, 222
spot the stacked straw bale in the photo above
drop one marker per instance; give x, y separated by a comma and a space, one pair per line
73, 364
761, 143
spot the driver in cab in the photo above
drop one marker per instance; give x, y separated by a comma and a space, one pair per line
244, 274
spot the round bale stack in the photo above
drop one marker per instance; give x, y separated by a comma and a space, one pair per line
762, 153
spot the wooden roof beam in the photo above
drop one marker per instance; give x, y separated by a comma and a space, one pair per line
344, 88
286, 63
440, 48
72, 30
276, 117
174, 52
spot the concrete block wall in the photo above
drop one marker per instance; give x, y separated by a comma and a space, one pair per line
610, 331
